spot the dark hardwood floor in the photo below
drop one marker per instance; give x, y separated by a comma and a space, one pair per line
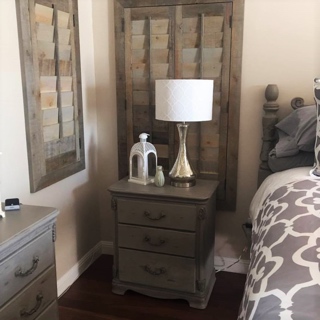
90, 298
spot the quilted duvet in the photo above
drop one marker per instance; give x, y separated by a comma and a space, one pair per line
283, 280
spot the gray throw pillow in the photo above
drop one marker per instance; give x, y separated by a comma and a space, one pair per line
296, 132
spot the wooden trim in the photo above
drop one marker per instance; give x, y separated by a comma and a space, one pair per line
234, 106
154, 3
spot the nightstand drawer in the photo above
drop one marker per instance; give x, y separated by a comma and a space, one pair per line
157, 214
24, 266
157, 240
157, 270
32, 300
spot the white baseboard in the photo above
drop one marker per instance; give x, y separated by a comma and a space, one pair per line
106, 247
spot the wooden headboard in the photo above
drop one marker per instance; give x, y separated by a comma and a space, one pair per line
269, 133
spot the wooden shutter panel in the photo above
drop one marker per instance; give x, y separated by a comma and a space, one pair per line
182, 40
52, 84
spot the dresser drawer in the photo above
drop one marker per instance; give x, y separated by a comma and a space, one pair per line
158, 214
33, 300
51, 313
25, 265
157, 240
157, 270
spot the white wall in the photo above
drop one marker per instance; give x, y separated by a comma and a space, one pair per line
104, 55
280, 46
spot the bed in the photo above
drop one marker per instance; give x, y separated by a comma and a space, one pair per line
283, 280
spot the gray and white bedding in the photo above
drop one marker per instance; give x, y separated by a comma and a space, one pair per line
283, 280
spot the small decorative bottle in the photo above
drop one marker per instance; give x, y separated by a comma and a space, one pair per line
159, 177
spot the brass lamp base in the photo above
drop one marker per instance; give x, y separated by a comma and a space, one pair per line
182, 184
181, 174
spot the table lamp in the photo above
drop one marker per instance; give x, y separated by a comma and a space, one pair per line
188, 100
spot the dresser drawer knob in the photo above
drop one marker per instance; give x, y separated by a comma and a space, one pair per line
24, 313
157, 243
34, 266
158, 216
155, 271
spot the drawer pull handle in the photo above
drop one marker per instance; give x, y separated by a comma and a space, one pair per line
155, 271
19, 272
154, 217
24, 313
155, 244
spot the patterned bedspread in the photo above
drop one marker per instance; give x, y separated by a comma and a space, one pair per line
283, 280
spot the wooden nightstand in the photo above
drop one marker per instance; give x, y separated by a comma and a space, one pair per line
164, 240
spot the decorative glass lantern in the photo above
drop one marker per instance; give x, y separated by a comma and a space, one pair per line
140, 156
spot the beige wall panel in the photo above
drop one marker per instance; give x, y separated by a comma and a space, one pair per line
140, 56
210, 140
212, 55
210, 167
191, 55
162, 150
160, 55
47, 67
160, 26
160, 41
44, 32
140, 70
190, 70
139, 27
48, 83
67, 144
48, 100
52, 148
51, 132
63, 19
211, 70
64, 52
66, 98
160, 71
65, 83
191, 40
64, 35
213, 24
213, 40
43, 14
68, 128
67, 113
45, 50
140, 84
139, 42
65, 68
49, 116
141, 98
191, 25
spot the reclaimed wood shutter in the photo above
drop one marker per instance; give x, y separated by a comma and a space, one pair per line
174, 42
50, 58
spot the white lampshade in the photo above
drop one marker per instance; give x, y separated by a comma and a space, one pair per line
188, 100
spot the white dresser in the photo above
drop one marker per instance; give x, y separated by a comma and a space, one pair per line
28, 285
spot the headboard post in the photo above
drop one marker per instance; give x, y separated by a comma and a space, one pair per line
269, 121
